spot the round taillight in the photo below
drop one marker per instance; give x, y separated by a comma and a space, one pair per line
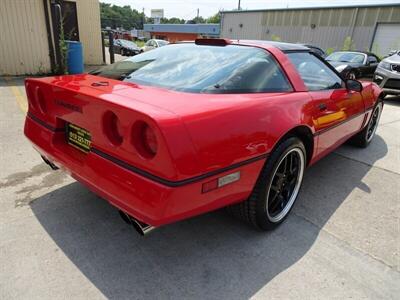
112, 128
144, 139
40, 100
31, 96
150, 140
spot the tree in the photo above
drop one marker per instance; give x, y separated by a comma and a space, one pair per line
215, 19
172, 20
199, 20
116, 16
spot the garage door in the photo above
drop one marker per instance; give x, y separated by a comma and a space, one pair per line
387, 37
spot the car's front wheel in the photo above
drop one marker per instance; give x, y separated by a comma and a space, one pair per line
277, 188
364, 137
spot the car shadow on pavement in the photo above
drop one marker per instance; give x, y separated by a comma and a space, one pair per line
211, 256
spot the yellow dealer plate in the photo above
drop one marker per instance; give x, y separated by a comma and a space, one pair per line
78, 137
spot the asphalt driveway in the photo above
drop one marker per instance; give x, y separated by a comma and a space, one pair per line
59, 240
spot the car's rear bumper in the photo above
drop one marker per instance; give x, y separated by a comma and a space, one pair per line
149, 200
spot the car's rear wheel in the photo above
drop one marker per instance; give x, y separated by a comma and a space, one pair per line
364, 137
277, 188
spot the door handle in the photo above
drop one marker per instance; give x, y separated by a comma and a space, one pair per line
322, 106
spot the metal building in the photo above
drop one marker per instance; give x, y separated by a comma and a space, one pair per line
370, 27
29, 39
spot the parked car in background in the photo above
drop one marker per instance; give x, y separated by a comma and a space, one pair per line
316, 50
393, 52
224, 123
153, 44
387, 74
125, 47
354, 64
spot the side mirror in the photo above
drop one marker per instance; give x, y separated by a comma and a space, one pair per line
354, 85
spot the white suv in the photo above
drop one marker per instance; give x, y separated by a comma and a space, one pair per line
387, 74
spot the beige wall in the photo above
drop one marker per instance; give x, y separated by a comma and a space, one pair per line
23, 38
90, 30
24, 47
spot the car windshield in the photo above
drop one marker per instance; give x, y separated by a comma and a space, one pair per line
346, 57
128, 43
162, 43
202, 69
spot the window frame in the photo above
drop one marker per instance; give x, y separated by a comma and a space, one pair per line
343, 81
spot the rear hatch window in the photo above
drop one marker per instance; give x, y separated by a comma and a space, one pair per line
202, 69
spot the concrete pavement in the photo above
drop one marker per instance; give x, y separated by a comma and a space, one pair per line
342, 240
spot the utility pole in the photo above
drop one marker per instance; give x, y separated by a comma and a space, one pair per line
143, 18
198, 13
239, 5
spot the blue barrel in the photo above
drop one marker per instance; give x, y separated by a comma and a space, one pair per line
74, 57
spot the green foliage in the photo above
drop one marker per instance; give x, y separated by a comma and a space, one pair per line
330, 50
216, 19
120, 16
62, 67
139, 43
199, 20
275, 38
172, 21
348, 44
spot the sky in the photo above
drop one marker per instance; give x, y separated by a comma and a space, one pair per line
187, 9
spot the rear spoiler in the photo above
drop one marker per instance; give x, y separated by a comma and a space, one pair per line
213, 42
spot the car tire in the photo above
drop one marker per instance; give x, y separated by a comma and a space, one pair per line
365, 136
261, 209
123, 52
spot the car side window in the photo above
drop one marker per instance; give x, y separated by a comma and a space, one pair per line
148, 43
316, 74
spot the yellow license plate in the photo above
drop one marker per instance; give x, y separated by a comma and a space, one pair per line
78, 137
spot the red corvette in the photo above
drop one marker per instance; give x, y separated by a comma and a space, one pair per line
192, 127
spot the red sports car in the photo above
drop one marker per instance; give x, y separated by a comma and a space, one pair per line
196, 126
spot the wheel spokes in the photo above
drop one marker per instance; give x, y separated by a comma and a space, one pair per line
283, 183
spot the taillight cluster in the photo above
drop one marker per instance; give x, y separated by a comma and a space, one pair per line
143, 136
112, 128
36, 98
144, 139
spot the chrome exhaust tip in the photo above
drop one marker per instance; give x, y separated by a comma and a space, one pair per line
142, 228
52, 165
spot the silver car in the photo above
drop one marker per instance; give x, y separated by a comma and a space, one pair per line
387, 74
153, 44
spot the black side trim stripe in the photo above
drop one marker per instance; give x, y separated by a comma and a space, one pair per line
148, 175
44, 124
341, 123
169, 182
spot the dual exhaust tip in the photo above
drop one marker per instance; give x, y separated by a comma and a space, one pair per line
142, 228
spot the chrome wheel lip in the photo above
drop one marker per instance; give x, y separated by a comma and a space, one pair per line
376, 113
296, 189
